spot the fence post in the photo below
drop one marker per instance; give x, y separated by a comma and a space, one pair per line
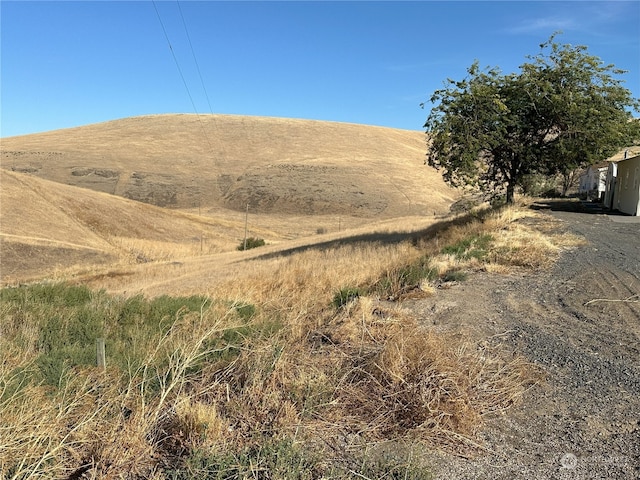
101, 358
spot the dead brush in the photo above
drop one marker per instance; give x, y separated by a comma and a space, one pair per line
113, 424
274, 387
400, 380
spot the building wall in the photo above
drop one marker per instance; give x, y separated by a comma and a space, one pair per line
627, 188
612, 173
593, 182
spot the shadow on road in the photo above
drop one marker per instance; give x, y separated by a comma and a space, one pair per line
575, 205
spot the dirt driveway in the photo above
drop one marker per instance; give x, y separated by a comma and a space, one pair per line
580, 322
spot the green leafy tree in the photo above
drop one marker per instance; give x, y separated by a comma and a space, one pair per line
565, 109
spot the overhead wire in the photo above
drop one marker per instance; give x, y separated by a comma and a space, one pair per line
175, 59
204, 88
193, 53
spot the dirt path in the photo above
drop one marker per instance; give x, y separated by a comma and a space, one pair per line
580, 323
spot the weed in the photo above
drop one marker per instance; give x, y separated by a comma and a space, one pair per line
245, 310
388, 465
52, 294
397, 280
69, 319
250, 243
473, 246
272, 459
345, 295
455, 276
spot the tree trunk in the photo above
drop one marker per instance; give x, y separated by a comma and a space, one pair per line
568, 178
511, 188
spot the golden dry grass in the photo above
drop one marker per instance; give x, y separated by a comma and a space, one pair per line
363, 373
277, 165
298, 178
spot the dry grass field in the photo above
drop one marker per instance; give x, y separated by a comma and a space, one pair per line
278, 166
296, 177
292, 360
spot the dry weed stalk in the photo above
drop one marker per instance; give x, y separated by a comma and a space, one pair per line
102, 423
402, 380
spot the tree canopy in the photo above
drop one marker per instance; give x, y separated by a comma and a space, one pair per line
563, 110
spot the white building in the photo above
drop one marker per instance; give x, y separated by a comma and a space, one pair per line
626, 188
593, 182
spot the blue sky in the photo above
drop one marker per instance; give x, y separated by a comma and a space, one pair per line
67, 64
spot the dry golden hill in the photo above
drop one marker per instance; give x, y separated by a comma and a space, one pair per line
275, 165
47, 227
176, 187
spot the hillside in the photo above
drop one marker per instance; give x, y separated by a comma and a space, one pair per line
167, 187
276, 166
48, 227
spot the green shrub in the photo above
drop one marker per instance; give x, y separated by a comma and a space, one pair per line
283, 459
398, 279
69, 319
245, 310
345, 295
250, 243
388, 466
538, 185
474, 246
272, 459
51, 294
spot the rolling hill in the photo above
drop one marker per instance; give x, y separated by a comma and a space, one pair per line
162, 187
47, 227
275, 165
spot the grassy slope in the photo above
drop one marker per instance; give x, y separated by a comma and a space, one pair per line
223, 161
297, 176
47, 227
266, 363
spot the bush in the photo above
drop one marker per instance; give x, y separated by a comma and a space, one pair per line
69, 319
251, 242
398, 279
455, 276
283, 459
345, 295
538, 185
273, 459
474, 246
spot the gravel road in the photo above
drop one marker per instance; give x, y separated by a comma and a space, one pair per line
580, 322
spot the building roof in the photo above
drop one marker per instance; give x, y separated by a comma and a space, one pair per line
599, 166
635, 157
631, 152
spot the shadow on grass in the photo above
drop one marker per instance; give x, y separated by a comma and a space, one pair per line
389, 238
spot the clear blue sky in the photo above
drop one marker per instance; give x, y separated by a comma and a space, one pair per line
67, 64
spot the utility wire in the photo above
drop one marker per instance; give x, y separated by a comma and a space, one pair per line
204, 88
194, 57
175, 59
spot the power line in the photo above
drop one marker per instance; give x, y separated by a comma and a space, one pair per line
175, 59
194, 57
204, 88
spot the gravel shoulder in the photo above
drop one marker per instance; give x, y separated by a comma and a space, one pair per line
580, 323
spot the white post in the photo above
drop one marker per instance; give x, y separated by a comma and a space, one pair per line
101, 357
246, 219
